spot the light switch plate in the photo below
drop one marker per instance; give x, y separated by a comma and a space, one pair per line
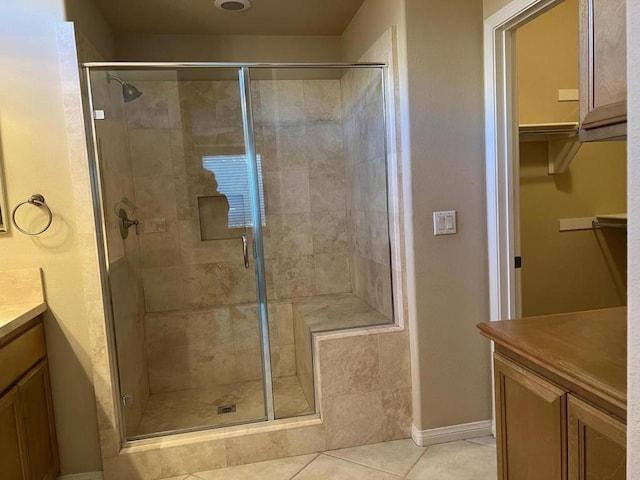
445, 223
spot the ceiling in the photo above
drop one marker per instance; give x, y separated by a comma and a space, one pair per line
266, 17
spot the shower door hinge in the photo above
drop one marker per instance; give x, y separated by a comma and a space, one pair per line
518, 262
127, 400
98, 114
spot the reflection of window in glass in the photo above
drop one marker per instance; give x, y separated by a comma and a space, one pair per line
232, 175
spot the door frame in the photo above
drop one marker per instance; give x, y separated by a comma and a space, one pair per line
502, 152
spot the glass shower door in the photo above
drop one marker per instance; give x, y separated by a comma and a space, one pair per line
187, 288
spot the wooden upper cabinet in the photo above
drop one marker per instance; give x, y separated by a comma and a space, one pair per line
530, 424
603, 69
597, 443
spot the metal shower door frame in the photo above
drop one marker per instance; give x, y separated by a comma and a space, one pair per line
258, 246
250, 152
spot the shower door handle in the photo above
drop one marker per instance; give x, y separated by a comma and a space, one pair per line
245, 251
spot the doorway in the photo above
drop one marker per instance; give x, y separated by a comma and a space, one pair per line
541, 210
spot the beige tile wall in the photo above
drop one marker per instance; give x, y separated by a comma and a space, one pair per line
366, 178
128, 312
299, 132
218, 345
312, 315
299, 137
365, 396
125, 276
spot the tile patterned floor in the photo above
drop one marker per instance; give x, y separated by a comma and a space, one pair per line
401, 459
199, 407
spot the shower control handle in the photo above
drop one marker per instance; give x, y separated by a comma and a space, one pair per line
245, 251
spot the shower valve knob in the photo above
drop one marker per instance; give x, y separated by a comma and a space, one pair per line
126, 223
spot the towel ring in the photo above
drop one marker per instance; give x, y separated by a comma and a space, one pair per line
37, 200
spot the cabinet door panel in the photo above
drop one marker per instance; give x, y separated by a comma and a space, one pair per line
530, 424
603, 64
597, 444
13, 464
34, 393
609, 52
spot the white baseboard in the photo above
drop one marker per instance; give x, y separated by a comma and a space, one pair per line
83, 476
424, 438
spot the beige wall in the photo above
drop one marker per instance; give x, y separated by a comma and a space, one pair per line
565, 271
548, 61
447, 156
34, 151
372, 20
576, 270
633, 105
228, 48
91, 25
492, 6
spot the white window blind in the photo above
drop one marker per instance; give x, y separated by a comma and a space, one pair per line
232, 175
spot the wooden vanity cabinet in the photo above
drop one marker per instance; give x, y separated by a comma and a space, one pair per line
560, 395
597, 443
28, 449
603, 70
530, 424
12, 443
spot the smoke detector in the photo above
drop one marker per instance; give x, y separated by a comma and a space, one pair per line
233, 5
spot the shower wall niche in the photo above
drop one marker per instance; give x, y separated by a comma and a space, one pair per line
185, 306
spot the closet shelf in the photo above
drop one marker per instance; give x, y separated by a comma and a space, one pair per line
613, 220
562, 139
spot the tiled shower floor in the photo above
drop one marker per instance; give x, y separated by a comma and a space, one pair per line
195, 408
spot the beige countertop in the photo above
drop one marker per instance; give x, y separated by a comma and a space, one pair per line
12, 317
584, 352
21, 298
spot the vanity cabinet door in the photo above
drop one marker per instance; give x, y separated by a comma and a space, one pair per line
12, 442
34, 397
530, 424
603, 69
597, 444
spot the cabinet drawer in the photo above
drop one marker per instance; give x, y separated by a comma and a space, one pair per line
18, 356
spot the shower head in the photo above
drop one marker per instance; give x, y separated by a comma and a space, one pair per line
129, 92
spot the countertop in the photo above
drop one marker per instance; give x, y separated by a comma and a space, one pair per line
12, 317
584, 352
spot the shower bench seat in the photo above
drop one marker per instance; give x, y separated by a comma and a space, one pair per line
326, 313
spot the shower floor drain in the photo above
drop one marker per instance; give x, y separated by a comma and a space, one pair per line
226, 409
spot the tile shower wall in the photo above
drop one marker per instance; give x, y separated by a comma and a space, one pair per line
299, 135
299, 138
366, 179
219, 345
125, 277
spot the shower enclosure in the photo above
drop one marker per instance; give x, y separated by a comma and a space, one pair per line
242, 209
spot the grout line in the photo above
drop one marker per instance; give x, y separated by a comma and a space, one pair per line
426, 449
475, 442
362, 465
308, 463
